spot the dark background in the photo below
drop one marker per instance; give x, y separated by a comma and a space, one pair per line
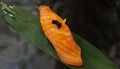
98, 21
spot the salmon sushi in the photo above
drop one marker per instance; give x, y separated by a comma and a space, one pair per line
60, 36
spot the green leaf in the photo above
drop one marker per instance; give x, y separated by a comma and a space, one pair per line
28, 26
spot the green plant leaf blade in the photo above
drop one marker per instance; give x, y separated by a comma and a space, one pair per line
28, 26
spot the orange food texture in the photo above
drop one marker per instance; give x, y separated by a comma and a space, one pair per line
60, 36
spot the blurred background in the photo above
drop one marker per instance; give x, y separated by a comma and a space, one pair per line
98, 21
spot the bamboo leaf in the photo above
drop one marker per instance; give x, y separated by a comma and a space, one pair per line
28, 26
